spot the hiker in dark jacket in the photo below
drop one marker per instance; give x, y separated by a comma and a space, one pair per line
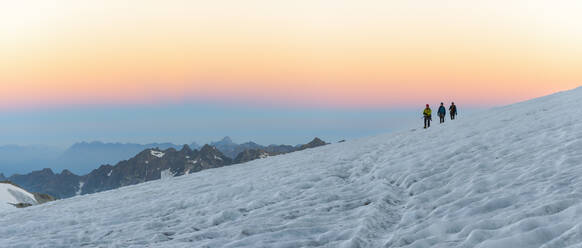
427, 114
453, 111
442, 112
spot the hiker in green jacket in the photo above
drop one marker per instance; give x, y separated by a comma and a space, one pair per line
427, 114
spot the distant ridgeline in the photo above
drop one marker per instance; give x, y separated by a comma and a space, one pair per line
150, 164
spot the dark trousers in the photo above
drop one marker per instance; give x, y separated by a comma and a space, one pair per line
427, 120
442, 117
453, 116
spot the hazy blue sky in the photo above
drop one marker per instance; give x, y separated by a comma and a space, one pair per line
201, 123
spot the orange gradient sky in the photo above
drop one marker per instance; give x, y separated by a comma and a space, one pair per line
297, 53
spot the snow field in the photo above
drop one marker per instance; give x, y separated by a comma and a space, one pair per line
505, 177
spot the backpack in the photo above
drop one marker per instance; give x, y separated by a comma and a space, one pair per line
442, 110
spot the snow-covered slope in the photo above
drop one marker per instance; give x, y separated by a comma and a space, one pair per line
10, 194
506, 177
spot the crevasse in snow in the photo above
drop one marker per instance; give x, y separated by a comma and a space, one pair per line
505, 177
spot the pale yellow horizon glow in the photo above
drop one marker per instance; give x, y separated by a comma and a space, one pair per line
331, 53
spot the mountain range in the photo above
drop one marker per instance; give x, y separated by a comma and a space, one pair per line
149, 164
83, 157
80, 158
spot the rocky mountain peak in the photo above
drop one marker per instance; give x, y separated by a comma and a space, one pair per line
226, 140
186, 149
314, 143
208, 149
46, 171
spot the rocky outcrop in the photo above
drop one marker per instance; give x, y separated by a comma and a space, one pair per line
273, 150
43, 198
232, 150
314, 143
252, 154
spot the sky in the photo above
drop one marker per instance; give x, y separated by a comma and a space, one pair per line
200, 123
93, 69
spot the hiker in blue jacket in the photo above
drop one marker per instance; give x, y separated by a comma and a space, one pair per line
442, 112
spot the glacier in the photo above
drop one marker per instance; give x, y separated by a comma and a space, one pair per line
505, 177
